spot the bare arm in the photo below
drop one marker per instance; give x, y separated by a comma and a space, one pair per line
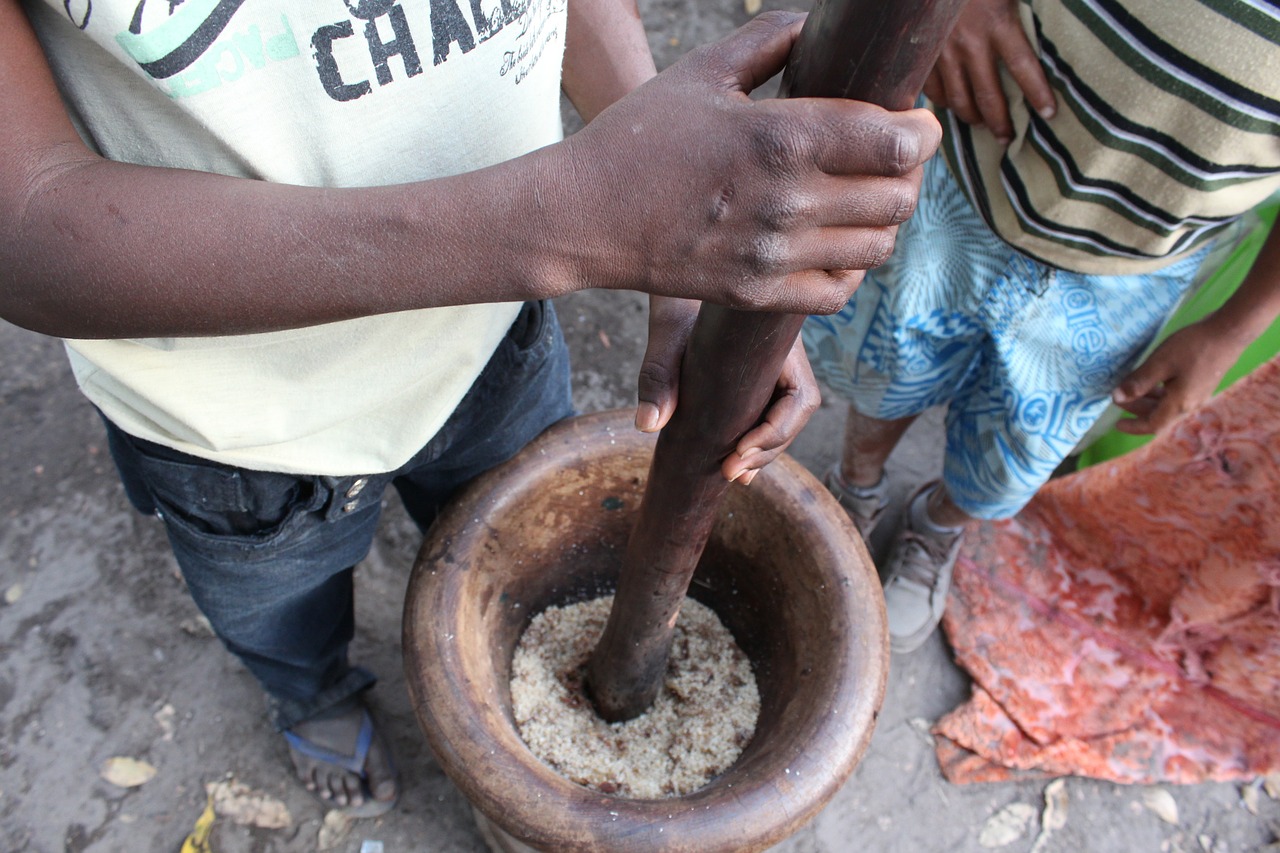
257, 256
1187, 367
606, 54
685, 188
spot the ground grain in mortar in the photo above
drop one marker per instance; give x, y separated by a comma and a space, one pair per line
703, 717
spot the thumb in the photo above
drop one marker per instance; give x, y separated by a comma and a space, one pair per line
657, 387
757, 51
670, 323
1139, 383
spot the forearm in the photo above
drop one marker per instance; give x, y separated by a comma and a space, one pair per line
94, 248
103, 249
1256, 302
606, 54
688, 188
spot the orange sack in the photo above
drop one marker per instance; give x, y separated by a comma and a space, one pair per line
1126, 625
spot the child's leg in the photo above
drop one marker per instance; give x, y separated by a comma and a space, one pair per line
867, 445
268, 558
907, 338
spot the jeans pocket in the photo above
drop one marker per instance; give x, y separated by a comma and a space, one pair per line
211, 502
530, 339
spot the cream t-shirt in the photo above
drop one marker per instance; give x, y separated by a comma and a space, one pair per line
337, 93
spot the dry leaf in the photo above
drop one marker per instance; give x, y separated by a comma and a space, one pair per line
1161, 802
1055, 806
1007, 825
751, 7
248, 807
127, 772
197, 627
1054, 816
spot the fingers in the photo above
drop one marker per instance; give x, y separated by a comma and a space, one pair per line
989, 100
850, 138
842, 207
953, 79
1146, 380
845, 248
934, 90
812, 291
867, 201
966, 77
795, 400
1028, 73
1135, 426
1140, 394
1152, 413
670, 322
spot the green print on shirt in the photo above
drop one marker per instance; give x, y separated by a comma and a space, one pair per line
181, 39
191, 48
233, 56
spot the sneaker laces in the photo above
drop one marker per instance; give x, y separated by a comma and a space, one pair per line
923, 557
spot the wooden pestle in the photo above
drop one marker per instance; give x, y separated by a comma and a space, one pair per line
880, 51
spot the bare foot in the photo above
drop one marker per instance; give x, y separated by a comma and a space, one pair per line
326, 754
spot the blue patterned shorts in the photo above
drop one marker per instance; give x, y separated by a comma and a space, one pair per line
1025, 355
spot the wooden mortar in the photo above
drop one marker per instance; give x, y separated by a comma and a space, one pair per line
785, 571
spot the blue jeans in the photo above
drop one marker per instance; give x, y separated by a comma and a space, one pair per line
269, 558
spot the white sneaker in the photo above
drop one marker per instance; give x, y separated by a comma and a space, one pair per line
864, 510
917, 580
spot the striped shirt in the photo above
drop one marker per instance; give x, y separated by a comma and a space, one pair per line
1166, 131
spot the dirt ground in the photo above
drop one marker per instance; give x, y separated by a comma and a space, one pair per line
103, 655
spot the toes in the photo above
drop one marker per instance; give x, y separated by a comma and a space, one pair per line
334, 784
384, 790
381, 774
351, 791
337, 792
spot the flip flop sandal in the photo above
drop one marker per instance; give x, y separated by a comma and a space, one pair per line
371, 807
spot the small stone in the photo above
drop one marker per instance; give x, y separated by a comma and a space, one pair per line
1162, 804
164, 718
